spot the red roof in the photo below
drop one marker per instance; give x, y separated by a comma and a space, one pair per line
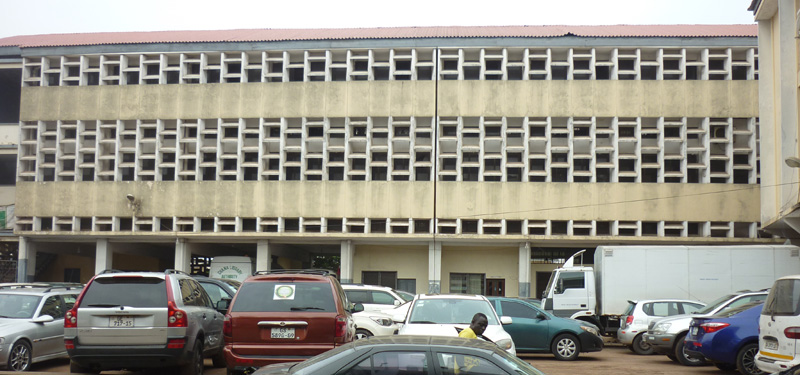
272, 35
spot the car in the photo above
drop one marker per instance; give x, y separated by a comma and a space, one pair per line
371, 323
405, 295
667, 335
447, 314
534, 330
140, 320
218, 289
728, 339
286, 316
411, 355
639, 314
32, 323
779, 325
373, 297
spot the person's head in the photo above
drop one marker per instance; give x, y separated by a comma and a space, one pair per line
479, 323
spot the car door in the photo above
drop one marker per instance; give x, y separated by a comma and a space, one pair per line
530, 328
48, 338
198, 307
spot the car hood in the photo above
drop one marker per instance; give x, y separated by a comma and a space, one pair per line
9, 326
493, 332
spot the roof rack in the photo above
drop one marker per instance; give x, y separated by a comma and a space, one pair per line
23, 285
320, 272
171, 271
49, 286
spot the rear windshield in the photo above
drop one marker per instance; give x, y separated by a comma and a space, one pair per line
783, 299
126, 291
629, 309
271, 296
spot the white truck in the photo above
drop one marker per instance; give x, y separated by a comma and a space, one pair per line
601, 293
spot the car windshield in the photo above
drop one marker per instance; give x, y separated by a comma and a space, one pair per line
271, 296
18, 306
133, 291
713, 305
737, 309
520, 367
450, 311
630, 308
784, 298
233, 283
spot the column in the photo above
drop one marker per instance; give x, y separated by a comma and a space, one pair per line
525, 270
346, 266
26, 261
183, 256
434, 267
104, 257
263, 257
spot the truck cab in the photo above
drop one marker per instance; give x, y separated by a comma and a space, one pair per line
570, 293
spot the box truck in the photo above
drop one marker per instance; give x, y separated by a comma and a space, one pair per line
232, 267
599, 294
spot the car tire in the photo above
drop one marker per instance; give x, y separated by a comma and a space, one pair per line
20, 356
641, 347
565, 347
363, 334
195, 364
681, 356
746, 360
218, 360
726, 366
630, 347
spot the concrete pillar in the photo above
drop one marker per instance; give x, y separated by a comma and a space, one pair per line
104, 257
263, 256
525, 269
346, 264
26, 261
434, 267
183, 256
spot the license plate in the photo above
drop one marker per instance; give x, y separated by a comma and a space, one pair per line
282, 333
120, 321
770, 345
694, 331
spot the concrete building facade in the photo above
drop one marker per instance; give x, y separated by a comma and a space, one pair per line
433, 159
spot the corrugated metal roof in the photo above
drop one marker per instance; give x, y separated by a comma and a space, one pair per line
272, 35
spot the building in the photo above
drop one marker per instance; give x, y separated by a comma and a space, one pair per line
429, 158
778, 84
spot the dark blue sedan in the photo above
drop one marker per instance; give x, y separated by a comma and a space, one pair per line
729, 339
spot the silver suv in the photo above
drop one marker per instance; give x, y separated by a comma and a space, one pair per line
666, 336
32, 322
135, 320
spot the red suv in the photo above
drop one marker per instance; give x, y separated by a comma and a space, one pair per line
286, 316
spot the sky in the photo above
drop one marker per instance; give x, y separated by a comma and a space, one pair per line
27, 17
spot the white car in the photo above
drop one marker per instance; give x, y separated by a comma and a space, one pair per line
371, 323
446, 315
373, 297
639, 314
779, 327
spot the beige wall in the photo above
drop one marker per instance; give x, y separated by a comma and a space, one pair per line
393, 98
55, 272
356, 199
410, 262
496, 262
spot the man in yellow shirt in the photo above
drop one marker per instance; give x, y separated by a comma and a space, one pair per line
476, 328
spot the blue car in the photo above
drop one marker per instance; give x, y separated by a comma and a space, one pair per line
728, 339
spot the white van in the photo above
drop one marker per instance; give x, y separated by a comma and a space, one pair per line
779, 327
232, 267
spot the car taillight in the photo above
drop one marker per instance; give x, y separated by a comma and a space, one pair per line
175, 316
629, 320
176, 343
792, 333
227, 326
69, 344
341, 326
713, 327
71, 318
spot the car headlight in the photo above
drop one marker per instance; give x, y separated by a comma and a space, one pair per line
382, 321
504, 344
661, 328
591, 330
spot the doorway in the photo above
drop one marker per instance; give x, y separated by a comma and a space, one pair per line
496, 287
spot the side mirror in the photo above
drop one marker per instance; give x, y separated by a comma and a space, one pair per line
223, 304
399, 318
397, 303
541, 316
505, 320
358, 307
43, 319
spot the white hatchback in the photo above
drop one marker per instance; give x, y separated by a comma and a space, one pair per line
779, 327
446, 315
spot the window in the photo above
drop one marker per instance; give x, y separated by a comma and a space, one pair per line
126, 291
517, 310
382, 298
570, 280
408, 285
392, 363
52, 306
468, 283
261, 296
383, 278
358, 296
8, 169
193, 294
784, 299
215, 293
453, 364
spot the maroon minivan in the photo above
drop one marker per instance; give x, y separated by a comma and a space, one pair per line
286, 316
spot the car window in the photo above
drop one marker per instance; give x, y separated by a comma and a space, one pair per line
190, 293
661, 308
517, 310
358, 296
284, 297
450, 311
784, 298
714, 305
570, 280
632, 306
464, 364
382, 298
126, 291
215, 292
743, 301
391, 363
689, 307
52, 306
69, 301
18, 306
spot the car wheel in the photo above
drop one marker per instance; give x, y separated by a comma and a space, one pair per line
684, 359
746, 360
19, 358
75, 368
640, 346
630, 347
195, 365
362, 334
565, 347
726, 366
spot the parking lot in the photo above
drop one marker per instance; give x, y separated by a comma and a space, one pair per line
614, 359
